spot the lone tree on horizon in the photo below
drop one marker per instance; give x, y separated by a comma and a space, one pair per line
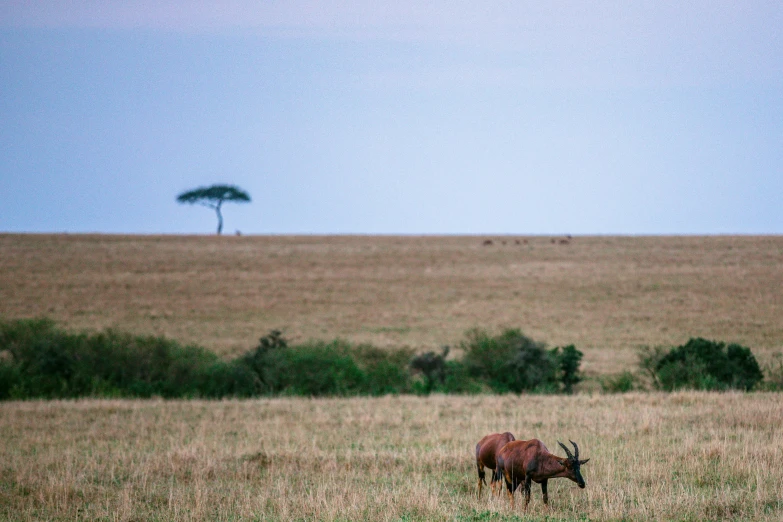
213, 197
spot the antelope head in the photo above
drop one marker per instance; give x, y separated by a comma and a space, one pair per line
573, 464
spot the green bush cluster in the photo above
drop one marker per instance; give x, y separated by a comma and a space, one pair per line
701, 364
318, 368
512, 362
42, 361
39, 360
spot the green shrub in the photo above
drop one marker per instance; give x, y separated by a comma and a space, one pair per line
489, 358
459, 380
322, 369
318, 368
568, 362
432, 367
46, 362
385, 369
708, 365
16, 334
9, 378
39, 360
268, 362
509, 362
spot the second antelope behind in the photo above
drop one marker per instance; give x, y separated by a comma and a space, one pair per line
526, 461
486, 456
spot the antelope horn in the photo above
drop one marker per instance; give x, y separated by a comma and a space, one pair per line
576, 449
568, 452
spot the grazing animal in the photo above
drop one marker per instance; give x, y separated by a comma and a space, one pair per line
529, 461
486, 451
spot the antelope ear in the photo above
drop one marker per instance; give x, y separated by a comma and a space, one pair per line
584, 461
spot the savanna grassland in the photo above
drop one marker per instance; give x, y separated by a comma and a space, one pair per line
654, 456
682, 456
606, 295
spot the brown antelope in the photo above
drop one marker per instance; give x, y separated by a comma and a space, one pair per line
529, 461
486, 450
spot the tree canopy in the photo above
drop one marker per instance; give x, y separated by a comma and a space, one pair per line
213, 197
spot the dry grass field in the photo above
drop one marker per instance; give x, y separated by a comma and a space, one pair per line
684, 456
606, 295
654, 456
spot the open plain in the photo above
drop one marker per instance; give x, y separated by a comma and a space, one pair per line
654, 456
606, 295
683, 456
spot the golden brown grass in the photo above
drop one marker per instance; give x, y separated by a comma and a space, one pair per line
683, 456
607, 295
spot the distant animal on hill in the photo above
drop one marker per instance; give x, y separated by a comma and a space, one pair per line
486, 451
526, 461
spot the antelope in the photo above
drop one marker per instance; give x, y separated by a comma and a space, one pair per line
529, 461
486, 450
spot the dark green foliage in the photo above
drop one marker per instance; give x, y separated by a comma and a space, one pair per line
273, 341
45, 362
458, 380
9, 377
510, 362
321, 369
433, 373
707, 365
232, 379
432, 366
268, 363
318, 368
39, 360
385, 370
32, 358
568, 362
214, 194
213, 197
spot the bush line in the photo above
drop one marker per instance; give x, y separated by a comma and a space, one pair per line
40, 360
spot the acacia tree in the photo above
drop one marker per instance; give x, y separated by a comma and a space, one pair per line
213, 197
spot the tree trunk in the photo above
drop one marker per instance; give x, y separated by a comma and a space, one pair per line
220, 218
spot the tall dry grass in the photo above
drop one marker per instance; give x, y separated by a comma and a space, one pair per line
607, 295
683, 456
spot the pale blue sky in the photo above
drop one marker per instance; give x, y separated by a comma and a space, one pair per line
414, 118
